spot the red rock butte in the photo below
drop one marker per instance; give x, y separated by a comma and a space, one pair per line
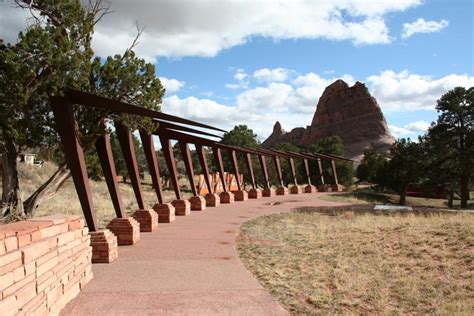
348, 112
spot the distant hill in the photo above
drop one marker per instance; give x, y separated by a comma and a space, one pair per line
349, 112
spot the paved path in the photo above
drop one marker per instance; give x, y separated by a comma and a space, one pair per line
188, 267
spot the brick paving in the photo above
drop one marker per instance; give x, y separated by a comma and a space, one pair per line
188, 267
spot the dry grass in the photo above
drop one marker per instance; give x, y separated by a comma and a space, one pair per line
348, 262
368, 197
66, 201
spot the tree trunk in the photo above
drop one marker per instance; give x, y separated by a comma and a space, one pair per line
11, 196
403, 197
451, 199
464, 182
46, 190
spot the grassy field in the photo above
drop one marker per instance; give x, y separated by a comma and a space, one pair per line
66, 201
368, 196
351, 262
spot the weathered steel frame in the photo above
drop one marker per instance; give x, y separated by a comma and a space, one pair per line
128, 150
104, 152
67, 128
152, 161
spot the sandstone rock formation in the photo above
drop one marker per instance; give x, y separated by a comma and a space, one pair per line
349, 112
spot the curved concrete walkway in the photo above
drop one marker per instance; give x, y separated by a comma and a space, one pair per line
188, 267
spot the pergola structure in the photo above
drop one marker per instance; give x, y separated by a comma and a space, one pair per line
170, 128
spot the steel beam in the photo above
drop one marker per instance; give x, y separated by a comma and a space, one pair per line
188, 163
235, 167
248, 161
67, 128
128, 149
263, 165
293, 170
104, 151
334, 172
320, 169
216, 151
171, 164
204, 166
153, 167
306, 168
276, 161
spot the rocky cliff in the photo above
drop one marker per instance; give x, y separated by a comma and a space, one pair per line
349, 112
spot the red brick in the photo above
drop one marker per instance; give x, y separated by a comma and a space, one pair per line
268, 192
182, 207
33, 305
26, 293
19, 273
77, 224
6, 280
212, 200
63, 228
11, 243
35, 236
10, 266
46, 257
36, 250
240, 195
10, 257
8, 306
227, 197
198, 203
54, 295
30, 268
282, 191
45, 280
24, 240
3, 250
12, 289
65, 238
255, 194
50, 231
48, 265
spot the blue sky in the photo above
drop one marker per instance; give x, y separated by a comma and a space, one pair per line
255, 62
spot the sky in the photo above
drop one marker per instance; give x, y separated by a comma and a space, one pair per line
258, 62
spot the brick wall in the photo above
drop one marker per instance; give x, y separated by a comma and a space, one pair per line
44, 263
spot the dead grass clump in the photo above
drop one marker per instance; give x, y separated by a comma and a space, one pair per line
357, 263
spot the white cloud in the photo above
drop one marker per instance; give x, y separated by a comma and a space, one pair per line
422, 26
411, 130
232, 86
418, 126
171, 85
271, 75
406, 91
293, 103
205, 28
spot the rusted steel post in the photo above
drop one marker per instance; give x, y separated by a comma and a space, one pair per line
205, 168
216, 151
128, 149
276, 161
263, 165
152, 161
188, 163
334, 172
306, 168
235, 167
67, 127
320, 169
293, 170
104, 151
248, 160
171, 163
